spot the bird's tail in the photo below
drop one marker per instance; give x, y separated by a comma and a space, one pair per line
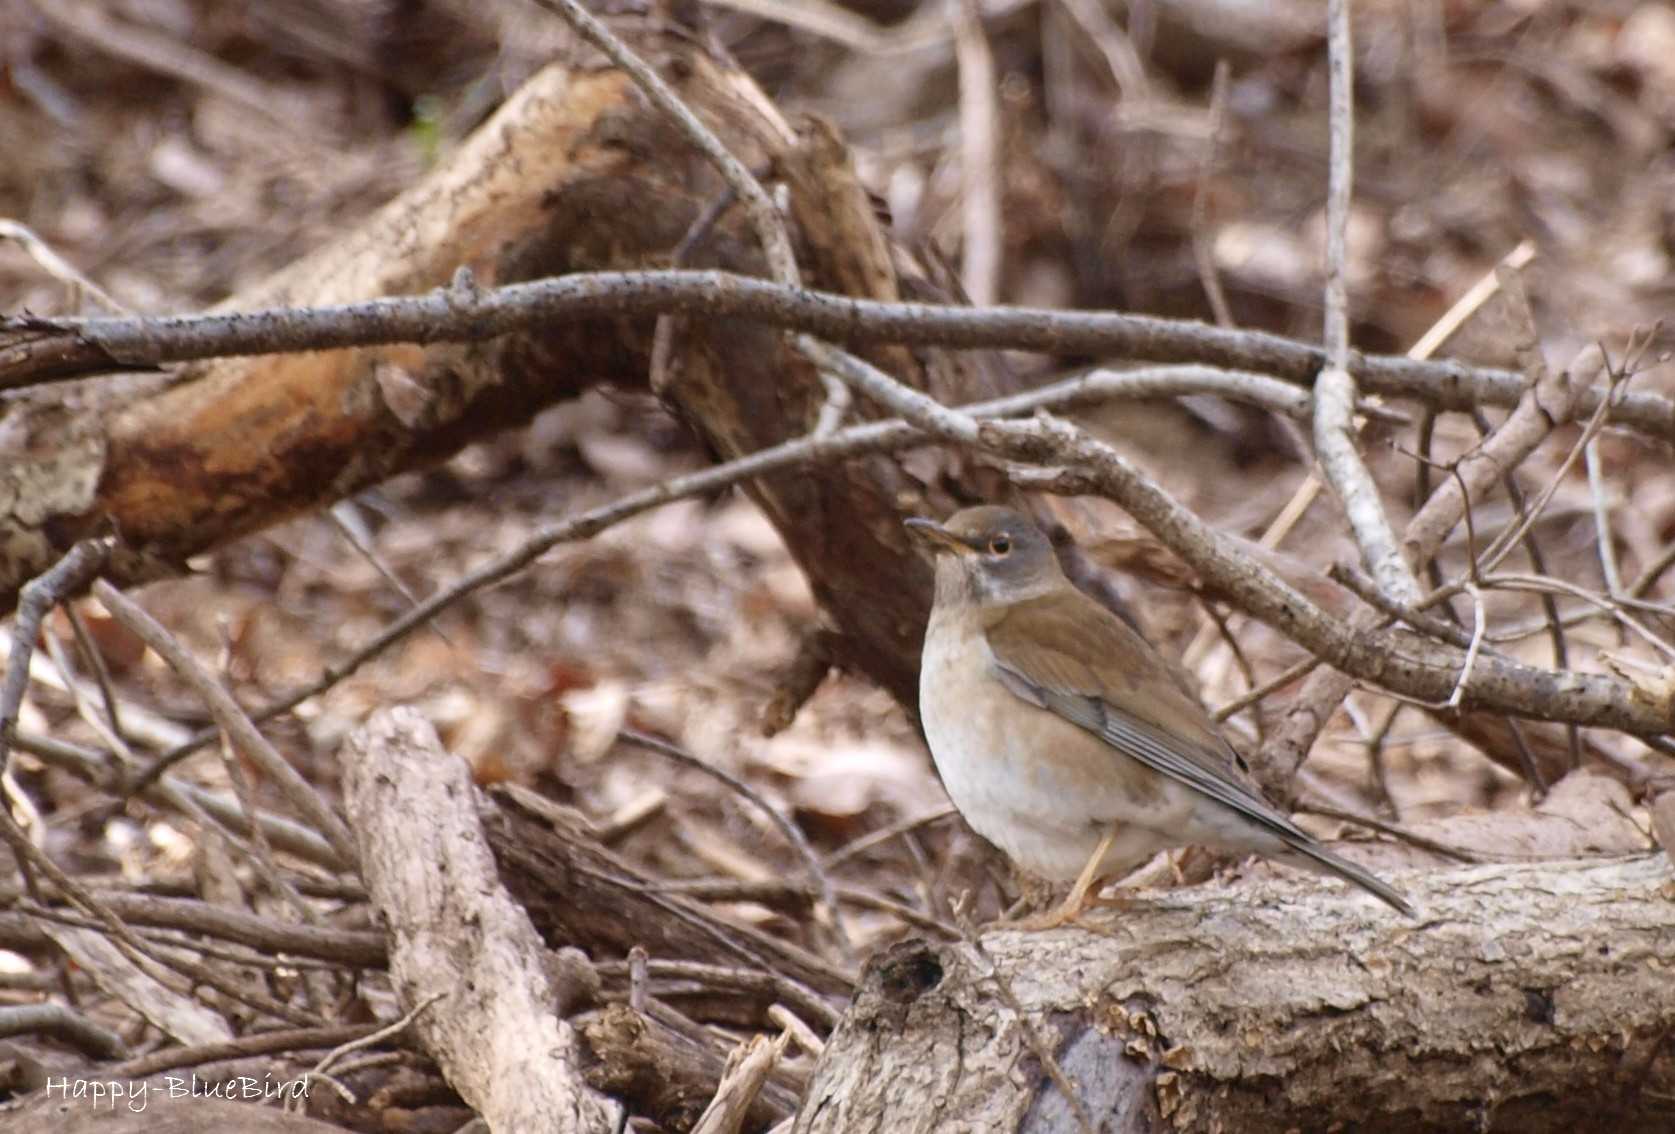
1320, 858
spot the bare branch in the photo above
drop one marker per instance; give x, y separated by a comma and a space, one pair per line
35, 349
1334, 391
1427, 675
793, 834
979, 155
230, 717
39, 596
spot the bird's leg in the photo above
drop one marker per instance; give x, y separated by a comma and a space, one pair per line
1077, 900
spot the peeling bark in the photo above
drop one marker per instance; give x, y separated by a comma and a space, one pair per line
1529, 998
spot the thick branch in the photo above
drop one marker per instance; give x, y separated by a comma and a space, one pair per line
458, 942
1532, 999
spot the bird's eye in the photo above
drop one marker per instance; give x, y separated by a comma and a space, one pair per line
1000, 544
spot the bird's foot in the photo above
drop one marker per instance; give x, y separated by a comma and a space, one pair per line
1122, 899
1056, 918
1073, 911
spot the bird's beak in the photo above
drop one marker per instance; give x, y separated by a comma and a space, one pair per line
939, 537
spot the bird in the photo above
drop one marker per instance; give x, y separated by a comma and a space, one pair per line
1063, 737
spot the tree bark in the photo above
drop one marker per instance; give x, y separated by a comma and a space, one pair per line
463, 955
1530, 998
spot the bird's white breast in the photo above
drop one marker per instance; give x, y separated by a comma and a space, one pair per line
994, 776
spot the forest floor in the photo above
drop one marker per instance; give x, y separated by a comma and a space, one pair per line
173, 177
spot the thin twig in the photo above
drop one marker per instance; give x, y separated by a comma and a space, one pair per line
1503, 544
95, 658
763, 982
1239, 659
199, 804
256, 1043
1121, 57
168, 55
1479, 621
1203, 245
1540, 584
1436, 337
1375, 757
85, 709
1334, 390
1294, 672
980, 174
1424, 672
231, 718
1604, 537
261, 851
838, 400
793, 833
879, 436
147, 958
883, 835
866, 899
360, 1043
1470, 303
1422, 492
1399, 833
1314, 704
1369, 593
37, 597
664, 369
346, 518
1549, 604
1527, 761
1652, 572
55, 265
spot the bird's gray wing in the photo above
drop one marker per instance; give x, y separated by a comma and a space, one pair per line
1069, 655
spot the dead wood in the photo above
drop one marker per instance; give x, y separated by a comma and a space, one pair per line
239, 444
463, 956
236, 445
667, 1076
578, 893
1529, 998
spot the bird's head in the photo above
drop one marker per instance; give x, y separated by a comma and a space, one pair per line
988, 555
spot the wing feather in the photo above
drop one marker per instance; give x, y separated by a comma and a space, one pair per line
1182, 745
1132, 701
